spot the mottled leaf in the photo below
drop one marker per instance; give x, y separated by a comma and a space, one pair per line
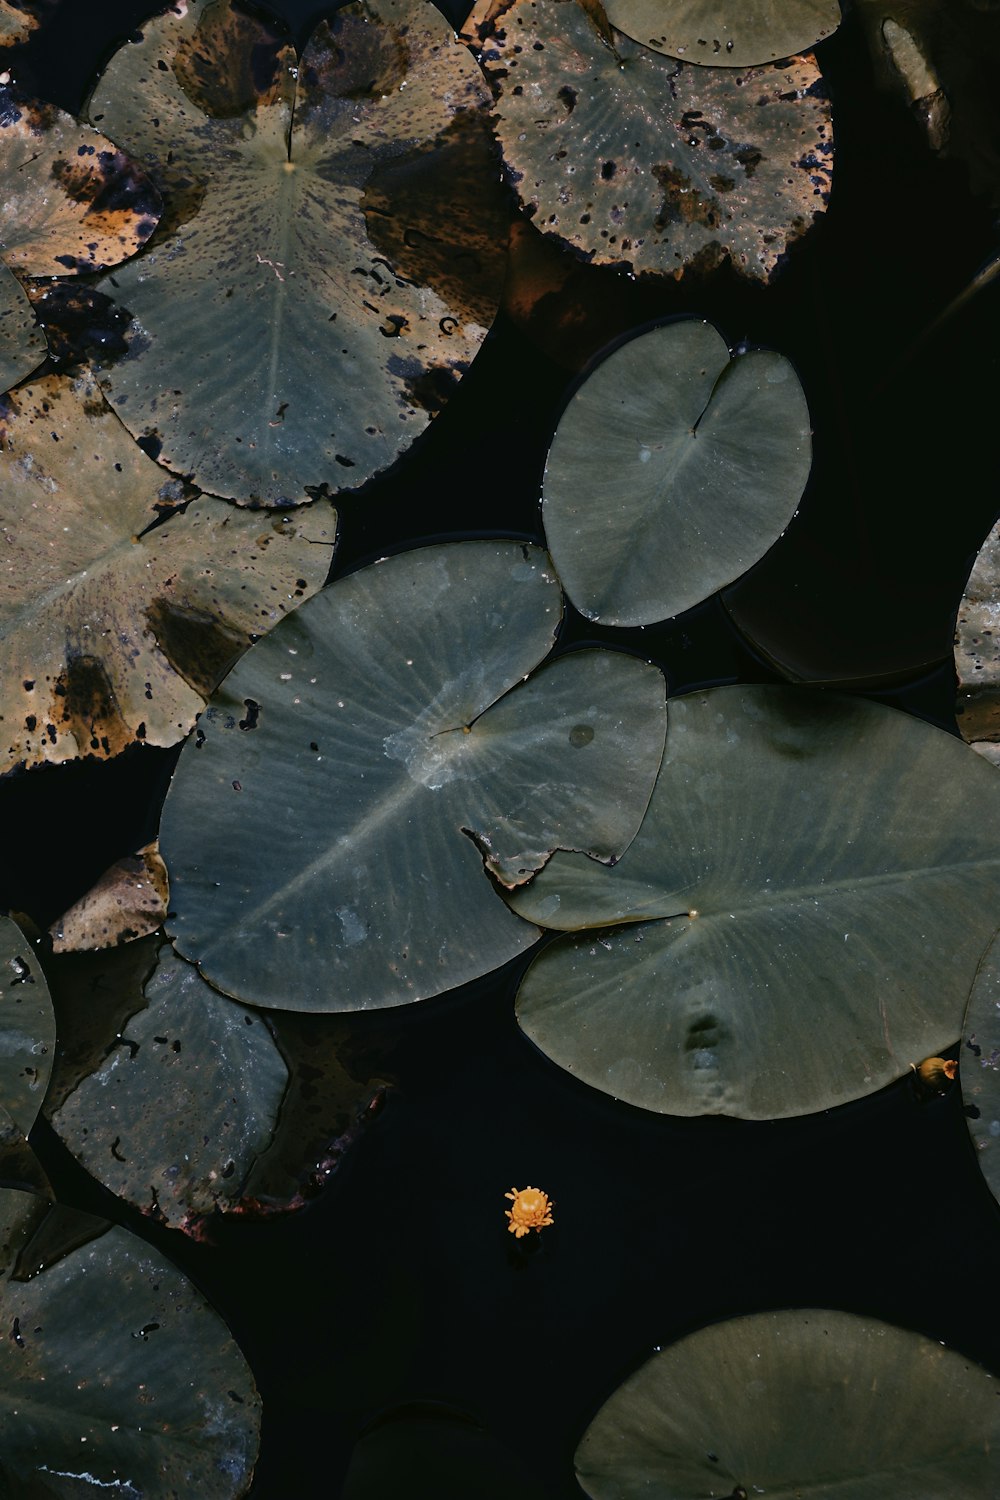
329, 855
113, 629
187, 1097
22, 343
115, 1374
274, 345
17, 22
129, 901
672, 471
807, 1403
798, 920
27, 1030
71, 200
726, 35
977, 652
648, 162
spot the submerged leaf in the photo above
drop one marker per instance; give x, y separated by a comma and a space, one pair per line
117, 1375
27, 1030
112, 628
729, 35
273, 345
185, 1101
648, 162
801, 912
331, 859
806, 1402
672, 471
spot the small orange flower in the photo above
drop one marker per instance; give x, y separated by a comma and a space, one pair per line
532, 1210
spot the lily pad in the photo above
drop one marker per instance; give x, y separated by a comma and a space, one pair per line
673, 469
22, 343
727, 35
128, 902
977, 652
980, 1072
639, 160
27, 1030
116, 1373
274, 346
326, 828
113, 629
805, 1402
798, 920
16, 23
186, 1099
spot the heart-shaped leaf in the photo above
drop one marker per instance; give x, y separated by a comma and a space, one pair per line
672, 471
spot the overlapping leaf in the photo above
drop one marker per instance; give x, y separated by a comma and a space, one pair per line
22, 344
727, 36
805, 1402
673, 469
115, 1373
981, 1066
326, 828
273, 345
637, 159
27, 1032
798, 920
128, 902
111, 631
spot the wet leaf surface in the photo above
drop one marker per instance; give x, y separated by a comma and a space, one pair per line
128, 902
980, 1066
27, 1030
22, 344
672, 471
648, 162
330, 855
977, 652
71, 201
797, 921
175, 1116
116, 629
806, 1402
728, 36
116, 1374
274, 344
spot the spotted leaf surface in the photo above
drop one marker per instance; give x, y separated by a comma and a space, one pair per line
730, 34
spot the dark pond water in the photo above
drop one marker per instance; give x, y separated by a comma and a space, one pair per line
388, 1290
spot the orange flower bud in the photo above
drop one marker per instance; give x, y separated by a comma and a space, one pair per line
531, 1210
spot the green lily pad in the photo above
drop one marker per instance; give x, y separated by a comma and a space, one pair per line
980, 1072
112, 629
326, 828
806, 1403
728, 35
801, 914
27, 1030
638, 160
185, 1101
274, 346
22, 343
116, 1374
673, 469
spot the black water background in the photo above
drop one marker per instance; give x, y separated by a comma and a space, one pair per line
398, 1285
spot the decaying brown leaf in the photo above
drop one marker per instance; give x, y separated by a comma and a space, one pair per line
649, 162
116, 625
16, 23
128, 902
977, 652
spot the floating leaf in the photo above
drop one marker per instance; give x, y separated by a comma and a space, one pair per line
22, 344
981, 1066
326, 829
185, 1101
727, 36
805, 1402
129, 901
27, 1030
116, 1374
113, 629
672, 471
649, 162
805, 906
273, 345
977, 652
16, 23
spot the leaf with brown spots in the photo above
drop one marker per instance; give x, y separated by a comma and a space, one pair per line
652, 163
977, 652
128, 902
733, 35
72, 201
308, 309
17, 22
113, 628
